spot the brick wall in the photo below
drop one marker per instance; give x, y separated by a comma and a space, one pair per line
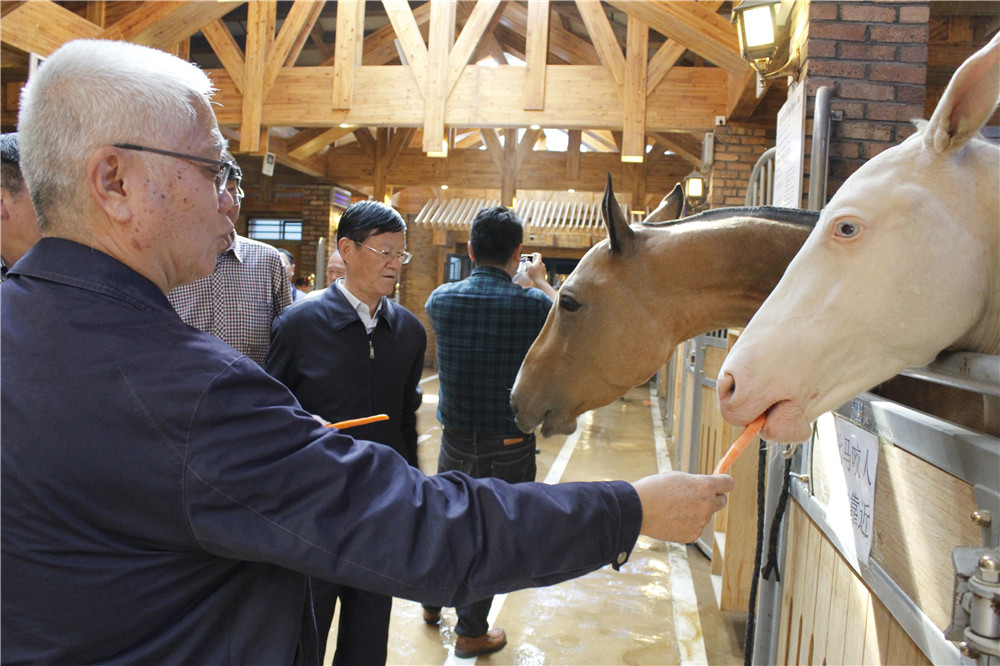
419, 279
873, 56
737, 149
318, 221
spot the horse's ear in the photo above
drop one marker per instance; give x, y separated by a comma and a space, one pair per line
620, 234
670, 207
968, 102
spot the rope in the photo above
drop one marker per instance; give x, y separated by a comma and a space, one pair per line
752, 614
779, 513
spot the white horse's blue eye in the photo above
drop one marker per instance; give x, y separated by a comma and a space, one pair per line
847, 229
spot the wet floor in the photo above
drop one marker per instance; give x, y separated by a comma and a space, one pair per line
660, 608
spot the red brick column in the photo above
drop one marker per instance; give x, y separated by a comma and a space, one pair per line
737, 149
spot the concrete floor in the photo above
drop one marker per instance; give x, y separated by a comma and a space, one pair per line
659, 609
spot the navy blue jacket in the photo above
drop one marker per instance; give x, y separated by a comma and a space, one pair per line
322, 353
163, 499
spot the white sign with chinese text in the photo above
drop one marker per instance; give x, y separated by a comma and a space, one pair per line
858, 451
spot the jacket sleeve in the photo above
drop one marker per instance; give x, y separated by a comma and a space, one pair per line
279, 355
318, 502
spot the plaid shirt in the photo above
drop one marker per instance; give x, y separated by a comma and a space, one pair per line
240, 299
484, 326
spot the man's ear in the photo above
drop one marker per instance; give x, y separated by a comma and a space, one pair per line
471, 255
107, 178
3, 204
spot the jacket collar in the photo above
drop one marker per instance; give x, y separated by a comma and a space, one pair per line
340, 313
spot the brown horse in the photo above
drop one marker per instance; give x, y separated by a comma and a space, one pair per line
636, 295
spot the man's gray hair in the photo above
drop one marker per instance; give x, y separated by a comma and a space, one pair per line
92, 93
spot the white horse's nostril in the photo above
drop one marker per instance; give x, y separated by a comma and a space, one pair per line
726, 386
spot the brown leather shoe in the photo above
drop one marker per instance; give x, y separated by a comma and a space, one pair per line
491, 641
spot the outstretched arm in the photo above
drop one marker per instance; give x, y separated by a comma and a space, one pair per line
677, 506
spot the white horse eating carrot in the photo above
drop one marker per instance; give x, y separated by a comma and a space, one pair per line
904, 263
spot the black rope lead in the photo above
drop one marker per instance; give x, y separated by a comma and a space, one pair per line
779, 514
752, 615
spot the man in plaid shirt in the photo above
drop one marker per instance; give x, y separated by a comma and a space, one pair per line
484, 326
239, 300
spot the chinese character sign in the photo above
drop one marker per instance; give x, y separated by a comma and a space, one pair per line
858, 450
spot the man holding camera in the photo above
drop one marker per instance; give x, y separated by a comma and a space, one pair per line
484, 326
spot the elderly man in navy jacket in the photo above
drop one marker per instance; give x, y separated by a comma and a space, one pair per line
348, 354
163, 498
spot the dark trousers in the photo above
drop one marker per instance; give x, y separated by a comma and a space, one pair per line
482, 456
363, 631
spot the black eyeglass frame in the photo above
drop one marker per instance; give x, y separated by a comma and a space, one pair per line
404, 256
223, 167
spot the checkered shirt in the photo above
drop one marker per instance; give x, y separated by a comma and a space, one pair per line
240, 299
484, 326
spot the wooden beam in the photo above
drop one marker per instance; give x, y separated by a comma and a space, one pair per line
508, 175
348, 50
311, 167
366, 141
525, 146
257, 41
682, 145
292, 36
697, 27
442, 30
226, 48
493, 147
469, 39
536, 53
163, 24
412, 43
578, 97
310, 141
380, 46
573, 155
96, 12
381, 166
604, 40
42, 26
400, 138
634, 122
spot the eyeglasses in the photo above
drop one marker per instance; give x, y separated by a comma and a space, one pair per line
237, 191
404, 257
220, 173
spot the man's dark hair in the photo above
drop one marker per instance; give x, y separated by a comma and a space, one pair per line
368, 218
10, 163
496, 233
288, 255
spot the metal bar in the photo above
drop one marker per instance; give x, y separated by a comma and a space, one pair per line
820, 149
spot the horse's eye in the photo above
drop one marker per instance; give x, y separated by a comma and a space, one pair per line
846, 229
568, 304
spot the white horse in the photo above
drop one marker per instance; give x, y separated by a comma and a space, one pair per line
902, 265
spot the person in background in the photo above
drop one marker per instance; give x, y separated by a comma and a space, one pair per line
175, 498
335, 269
350, 354
18, 226
484, 326
249, 287
288, 261
304, 286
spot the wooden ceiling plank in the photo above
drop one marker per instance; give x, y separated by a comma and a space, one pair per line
570, 48
604, 40
408, 34
380, 46
442, 30
229, 52
43, 26
258, 39
314, 139
468, 41
315, 167
96, 12
698, 28
536, 52
162, 25
348, 50
634, 121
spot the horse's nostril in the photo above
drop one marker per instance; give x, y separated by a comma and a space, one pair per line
727, 385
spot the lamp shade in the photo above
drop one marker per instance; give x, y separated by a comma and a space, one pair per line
694, 188
757, 28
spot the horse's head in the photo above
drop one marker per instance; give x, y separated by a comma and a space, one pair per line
595, 343
902, 264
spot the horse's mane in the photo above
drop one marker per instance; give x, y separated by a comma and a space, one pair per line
800, 216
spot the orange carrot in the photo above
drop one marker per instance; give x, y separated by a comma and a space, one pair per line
350, 423
741, 443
